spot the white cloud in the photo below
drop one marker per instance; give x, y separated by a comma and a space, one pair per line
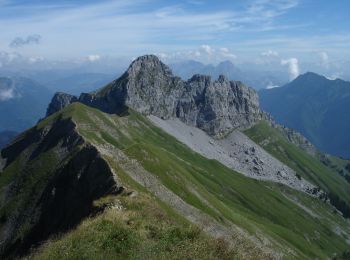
269, 53
143, 29
7, 94
10, 57
267, 57
293, 67
225, 52
205, 53
272, 86
93, 57
324, 59
207, 49
18, 60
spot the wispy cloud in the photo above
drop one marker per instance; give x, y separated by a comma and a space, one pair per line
123, 26
270, 53
260, 31
20, 42
204, 53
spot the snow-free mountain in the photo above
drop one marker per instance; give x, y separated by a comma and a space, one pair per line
254, 77
315, 106
153, 166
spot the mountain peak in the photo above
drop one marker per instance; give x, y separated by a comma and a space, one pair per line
148, 64
149, 87
310, 75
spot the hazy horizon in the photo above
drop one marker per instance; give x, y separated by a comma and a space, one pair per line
259, 34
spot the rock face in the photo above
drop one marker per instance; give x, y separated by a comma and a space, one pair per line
217, 107
149, 87
59, 101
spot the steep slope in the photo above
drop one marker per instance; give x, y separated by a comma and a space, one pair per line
130, 152
22, 103
316, 107
306, 165
44, 186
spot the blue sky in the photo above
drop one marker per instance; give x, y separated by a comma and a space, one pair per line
255, 31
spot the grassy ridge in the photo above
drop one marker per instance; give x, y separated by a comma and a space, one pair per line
140, 230
259, 207
304, 164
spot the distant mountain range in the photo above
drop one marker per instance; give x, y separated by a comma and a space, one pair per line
77, 83
22, 102
253, 78
317, 107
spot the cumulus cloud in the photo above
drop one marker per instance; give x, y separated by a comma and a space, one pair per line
30, 39
93, 57
293, 67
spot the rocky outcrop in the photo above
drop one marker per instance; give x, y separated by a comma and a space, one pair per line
59, 101
149, 87
217, 107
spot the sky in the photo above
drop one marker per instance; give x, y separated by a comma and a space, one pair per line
293, 34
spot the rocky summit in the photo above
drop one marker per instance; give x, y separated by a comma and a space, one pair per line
149, 87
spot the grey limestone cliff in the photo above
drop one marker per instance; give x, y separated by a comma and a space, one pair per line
149, 87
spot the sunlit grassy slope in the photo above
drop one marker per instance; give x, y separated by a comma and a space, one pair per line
139, 229
262, 208
307, 166
288, 221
